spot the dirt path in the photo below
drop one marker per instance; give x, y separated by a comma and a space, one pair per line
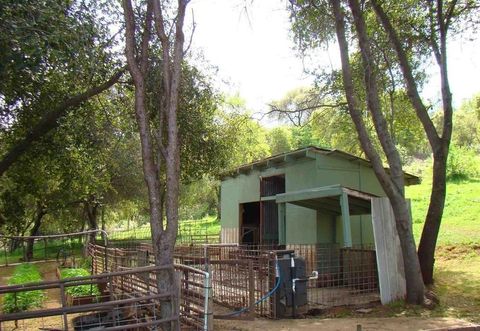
343, 324
52, 300
48, 271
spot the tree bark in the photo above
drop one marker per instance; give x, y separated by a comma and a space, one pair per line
394, 185
91, 206
431, 228
439, 144
163, 238
50, 121
40, 212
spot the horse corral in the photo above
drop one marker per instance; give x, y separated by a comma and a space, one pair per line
224, 281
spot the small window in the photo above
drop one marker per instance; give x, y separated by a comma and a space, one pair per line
272, 185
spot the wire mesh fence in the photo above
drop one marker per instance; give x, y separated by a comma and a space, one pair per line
231, 280
194, 284
346, 276
243, 275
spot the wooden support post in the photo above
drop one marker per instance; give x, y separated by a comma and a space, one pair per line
282, 224
347, 231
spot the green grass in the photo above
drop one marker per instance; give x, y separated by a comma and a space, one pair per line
461, 216
206, 226
40, 253
457, 264
79, 290
21, 301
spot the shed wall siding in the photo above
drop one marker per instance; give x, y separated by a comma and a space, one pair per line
303, 225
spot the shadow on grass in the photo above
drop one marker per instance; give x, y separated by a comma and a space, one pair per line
459, 293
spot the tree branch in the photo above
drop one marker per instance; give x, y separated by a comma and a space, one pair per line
412, 90
50, 121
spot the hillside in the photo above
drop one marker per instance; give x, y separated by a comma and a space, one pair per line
457, 281
461, 218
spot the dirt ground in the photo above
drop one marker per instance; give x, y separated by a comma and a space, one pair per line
341, 324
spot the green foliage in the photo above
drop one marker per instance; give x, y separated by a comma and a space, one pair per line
280, 140
79, 290
244, 139
466, 124
21, 301
462, 163
199, 199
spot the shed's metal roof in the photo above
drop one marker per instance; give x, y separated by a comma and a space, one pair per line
306, 152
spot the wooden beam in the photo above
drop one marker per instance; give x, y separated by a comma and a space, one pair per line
282, 224
321, 192
347, 231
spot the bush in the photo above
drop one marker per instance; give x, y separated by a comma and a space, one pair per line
23, 274
79, 290
462, 163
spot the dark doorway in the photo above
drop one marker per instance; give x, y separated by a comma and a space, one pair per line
250, 223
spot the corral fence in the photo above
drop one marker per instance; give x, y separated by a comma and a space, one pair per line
127, 274
62, 248
195, 285
242, 277
187, 235
127, 300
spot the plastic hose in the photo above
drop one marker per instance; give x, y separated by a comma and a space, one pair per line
269, 294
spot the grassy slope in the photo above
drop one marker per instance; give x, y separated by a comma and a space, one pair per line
461, 217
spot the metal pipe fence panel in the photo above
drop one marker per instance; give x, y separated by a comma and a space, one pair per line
121, 302
194, 284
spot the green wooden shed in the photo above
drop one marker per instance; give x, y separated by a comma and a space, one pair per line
307, 196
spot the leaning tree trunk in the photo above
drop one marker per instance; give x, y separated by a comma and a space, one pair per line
439, 144
393, 184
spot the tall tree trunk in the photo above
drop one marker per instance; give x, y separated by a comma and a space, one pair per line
431, 228
393, 184
91, 206
163, 238
40, 212
439, 144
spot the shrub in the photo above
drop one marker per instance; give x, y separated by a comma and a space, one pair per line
23, 274
462, 163
79, 290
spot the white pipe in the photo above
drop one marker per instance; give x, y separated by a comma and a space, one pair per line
207, 294
312, 277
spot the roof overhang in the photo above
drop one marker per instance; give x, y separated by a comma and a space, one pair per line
270, 162
327, 198
309, 153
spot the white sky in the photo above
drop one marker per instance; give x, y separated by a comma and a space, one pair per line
254, 52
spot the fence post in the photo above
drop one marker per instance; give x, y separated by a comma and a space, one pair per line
6, 255
178, 295
45, 248
64, 304
251, 290
208, 317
